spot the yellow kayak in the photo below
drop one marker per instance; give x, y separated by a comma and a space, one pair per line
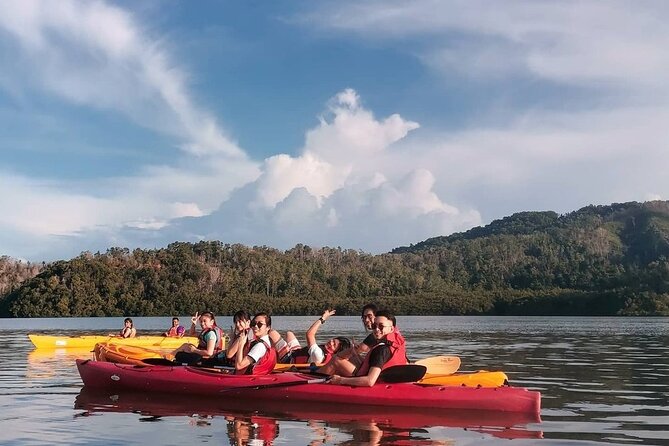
482, 378
126, 354
51, 342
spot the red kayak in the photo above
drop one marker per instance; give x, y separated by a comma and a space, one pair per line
291, 386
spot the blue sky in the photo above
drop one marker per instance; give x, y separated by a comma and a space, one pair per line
365, 125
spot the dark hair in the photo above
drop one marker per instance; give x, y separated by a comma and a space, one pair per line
127, 319
175, 319
372, 307
241, 315
210, 315
267, 317
388, 315
344, 343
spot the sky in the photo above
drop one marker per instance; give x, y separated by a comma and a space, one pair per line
366, 125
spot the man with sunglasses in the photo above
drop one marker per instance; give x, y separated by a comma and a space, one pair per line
356, 353
390, 350
261, 357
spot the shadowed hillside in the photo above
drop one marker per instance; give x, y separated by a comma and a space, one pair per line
599, 260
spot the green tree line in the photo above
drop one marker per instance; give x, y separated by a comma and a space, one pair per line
599, 260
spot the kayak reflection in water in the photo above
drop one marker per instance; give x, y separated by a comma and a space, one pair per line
253, 430
390, 350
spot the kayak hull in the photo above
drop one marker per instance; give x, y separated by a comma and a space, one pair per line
198, 381
51, 342
130, 354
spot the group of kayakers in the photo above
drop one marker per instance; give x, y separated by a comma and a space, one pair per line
254, 347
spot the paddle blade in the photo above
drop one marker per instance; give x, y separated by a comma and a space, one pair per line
408, 373
440, 365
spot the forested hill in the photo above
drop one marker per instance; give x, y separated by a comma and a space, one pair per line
599, 260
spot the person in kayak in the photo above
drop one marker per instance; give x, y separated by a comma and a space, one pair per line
210, 340
355, 353
176, 330
261, 357
241, 323
390, 350
291, 352
368, 315
128, 330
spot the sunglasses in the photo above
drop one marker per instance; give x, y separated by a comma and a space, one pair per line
379, 326
257, 324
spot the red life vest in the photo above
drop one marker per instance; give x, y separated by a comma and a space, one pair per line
219, 339
265, 364
397, 345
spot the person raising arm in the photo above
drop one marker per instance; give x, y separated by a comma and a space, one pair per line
389, 351
210, 340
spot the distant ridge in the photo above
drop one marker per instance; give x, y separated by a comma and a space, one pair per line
598, 260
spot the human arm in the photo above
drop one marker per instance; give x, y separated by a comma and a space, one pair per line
193, 323
240, 327
311, 333
377, 359
242, 361
358, 381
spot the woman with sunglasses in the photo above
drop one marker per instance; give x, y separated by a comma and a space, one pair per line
210, 340
390, 350
260, 358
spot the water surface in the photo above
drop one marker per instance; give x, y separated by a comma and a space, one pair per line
603, 381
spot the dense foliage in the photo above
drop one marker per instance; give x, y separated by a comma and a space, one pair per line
600, 260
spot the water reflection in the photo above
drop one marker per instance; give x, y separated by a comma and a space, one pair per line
253, 422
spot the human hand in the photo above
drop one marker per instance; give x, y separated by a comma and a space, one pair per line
328, 313
335, 379
195, 318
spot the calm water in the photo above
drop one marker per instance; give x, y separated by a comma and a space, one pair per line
603, 381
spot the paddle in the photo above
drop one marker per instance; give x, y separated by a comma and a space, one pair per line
167, 362
160, 361
396, 374
408, 373
440, 365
